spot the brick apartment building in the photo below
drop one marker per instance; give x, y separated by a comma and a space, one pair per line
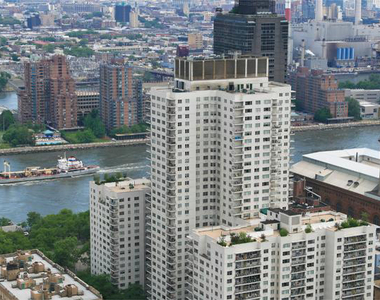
316, 90
120, 99
49, 93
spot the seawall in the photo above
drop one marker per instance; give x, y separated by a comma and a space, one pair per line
65, 147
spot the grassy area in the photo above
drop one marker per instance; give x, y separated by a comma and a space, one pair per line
72, 138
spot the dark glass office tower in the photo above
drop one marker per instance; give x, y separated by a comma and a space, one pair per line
252, 27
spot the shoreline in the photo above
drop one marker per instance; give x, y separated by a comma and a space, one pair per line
64, 147
335, 126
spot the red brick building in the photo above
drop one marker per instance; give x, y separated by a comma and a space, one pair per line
316, 90
120, 99
49, 94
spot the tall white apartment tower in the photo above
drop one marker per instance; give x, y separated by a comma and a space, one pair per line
219, 153
117, 219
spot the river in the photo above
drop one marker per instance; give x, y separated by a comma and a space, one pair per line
51, 196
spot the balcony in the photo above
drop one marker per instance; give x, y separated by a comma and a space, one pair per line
354, 270
297, 291
247, 288
299, 245
298, 284
248, 264
353, 277
355, 247
355, 254
248, 256
298, 276
250, 296
247, 272
354, 292
352, 285
355, 239
297, 269
246, 280
298, 253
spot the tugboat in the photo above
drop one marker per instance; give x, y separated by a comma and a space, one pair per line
66, 168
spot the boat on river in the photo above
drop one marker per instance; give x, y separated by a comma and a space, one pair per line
66, 168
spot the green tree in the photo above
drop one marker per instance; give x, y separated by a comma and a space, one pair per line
6, 119
18, 135
79, 51
353, 108
15, 57
322, 115
85, 136
93, 122
4, 77
49, 48
5, 221
66, 252
33, 218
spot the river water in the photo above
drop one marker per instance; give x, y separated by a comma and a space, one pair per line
48, 197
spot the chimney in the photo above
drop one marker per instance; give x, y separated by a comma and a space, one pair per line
358, 12
319, 10
324, 49
302, 63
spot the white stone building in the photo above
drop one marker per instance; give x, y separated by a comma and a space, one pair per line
117, 218
328, 263
219, 153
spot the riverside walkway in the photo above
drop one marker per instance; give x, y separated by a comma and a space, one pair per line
336, 126
65, 147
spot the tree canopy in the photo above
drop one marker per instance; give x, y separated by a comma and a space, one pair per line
353, 108
19, 135
322, 115
4, 77
372, 83
94, 122
6, 119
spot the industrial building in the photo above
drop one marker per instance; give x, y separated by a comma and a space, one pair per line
347, 180
220, 140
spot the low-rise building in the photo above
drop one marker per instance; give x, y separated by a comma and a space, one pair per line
31, 275
368, 110
284, 255
372, 96
117, 218
347, 180
87, 101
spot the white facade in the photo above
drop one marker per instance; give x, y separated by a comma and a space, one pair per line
219, 154
117, 218
326, 264
363, 95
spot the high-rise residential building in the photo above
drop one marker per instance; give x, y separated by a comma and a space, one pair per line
33, 99
134, 19
219, 153
117, 219
316, 90
286, 255
252, 27
33, 21
63, 107
49, 93
122, 12
121, 99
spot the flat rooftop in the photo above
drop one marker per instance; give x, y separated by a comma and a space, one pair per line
128, 185
86, 292
318, 221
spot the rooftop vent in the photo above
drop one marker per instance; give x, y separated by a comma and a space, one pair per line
356, 184
350, 182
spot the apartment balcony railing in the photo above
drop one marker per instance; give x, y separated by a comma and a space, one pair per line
354, 262
355, 239
248, 256
354, 270
250, 296
247, 264
355, 254
351, 285
245, 280
247, 272
353, 292
298, 276
298, 284
297, 291
298, 261
355, 247
247, 288
300, 268
353, 277
298, 253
